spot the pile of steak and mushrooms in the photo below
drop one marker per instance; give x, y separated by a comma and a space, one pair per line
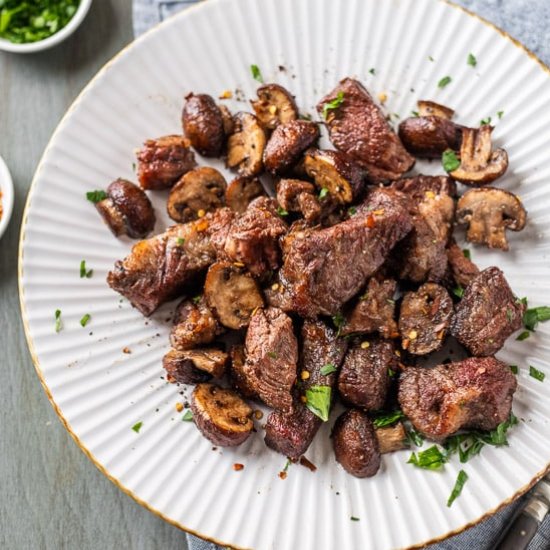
320, 275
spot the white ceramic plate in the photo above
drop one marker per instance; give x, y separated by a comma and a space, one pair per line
101, 392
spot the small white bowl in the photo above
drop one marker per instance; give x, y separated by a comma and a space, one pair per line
6, 186
52, 40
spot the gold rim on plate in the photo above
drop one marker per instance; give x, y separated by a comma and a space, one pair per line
30, 342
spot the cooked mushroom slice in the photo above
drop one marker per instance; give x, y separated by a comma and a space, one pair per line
488, 212
274, 106
227, 118
237, 375
221, 415
180, 368
334, 171
391, 438
196, 193
431, 108
242, 191
246, 145
479, 164
203, 124
429, 136
287, 143
232, 293
127, 210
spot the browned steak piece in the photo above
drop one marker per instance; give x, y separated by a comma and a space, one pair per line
160, 268
462, 269
487, 314
253, 237
365, 377
359, 128
194, 325
374, 311
472, 394
299, 196
424, 319
355, 444
422, 255
271, 358
323, 269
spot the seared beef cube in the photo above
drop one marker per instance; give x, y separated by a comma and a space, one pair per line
163, 161
359, 128
287, 143
355, 444
299, 196
365, 377
487, 314
324, 269
472, 394
462, 269
237, 374
430, 136
253, 238
242, 191
374, 311
182, 369
271, 358
194, 325
425, 318
162, 267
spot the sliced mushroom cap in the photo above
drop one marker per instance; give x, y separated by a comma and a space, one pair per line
245, 147
182, 370
334, 171
127, 210
237, 374
431, 108
227, 117
242, 191
488, 212
429, 136
391, 438
210, 360
200, 191
232, 293
274, 106
479, 164
203, 124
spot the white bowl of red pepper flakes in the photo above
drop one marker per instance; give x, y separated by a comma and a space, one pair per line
6, 196
36, 25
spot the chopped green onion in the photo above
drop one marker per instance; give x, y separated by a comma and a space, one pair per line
180, 241
85, 319
472, 61
537, 374
58, 323
187, 416
334, 104
84, 272
96, 196
353, 518
523, 335
281, 211
500, 114
458, 291
256, 73
329, 368
532, 317
372, 71
430, 459
137, 427
196, 299
414, 437
467, 253
323, 193
485, 121
514, 369
318, 401
384, 418
444, 82
449, 160
457, 489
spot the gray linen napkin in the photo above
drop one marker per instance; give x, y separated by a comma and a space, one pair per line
526, 20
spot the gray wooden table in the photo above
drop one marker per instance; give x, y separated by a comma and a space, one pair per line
51, 495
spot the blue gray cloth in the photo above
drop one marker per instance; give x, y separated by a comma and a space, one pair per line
526, 20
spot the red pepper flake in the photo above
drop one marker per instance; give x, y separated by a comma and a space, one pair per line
305, 462
371, 222
282, 475
238, 467
126, 350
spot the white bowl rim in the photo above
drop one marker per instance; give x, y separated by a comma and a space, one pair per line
52, 40
6, 186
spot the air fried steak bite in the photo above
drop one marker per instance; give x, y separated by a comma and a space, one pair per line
299, 196
359, 128
365, 377
472, 394
462, 269
323, 269
487, 314
162, 162
425, 318
271, 358
162, 267
355, 444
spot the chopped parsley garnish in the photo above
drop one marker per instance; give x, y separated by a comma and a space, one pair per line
84, 272
272, 354
444, 82
449, 160
415, 113
414, 437
467, 253
532, 317
430, 459
85, 319
323, 193
500, 114
281, 211
334, 104
196, 299
187, 416
137, 427
514, 369
472, 61
133, 166
352, 211
96, 196
318, 401
338, 321
461, 479
537, 374
372, 71
391, 373
256, 73
353, 518
329, 368
485, 121
458, 291
385, 418
523, 335
430, 58
58, 323
180, 241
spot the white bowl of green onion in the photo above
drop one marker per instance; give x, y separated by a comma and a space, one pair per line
36, 25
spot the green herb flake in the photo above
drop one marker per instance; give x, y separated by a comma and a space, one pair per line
431, 58
500, 114
430, 459
384, 418
485, 121
391, 373
137, 427
338, 321
414, 438
352, 211
444, 82
415, 113
523, 335
84, 321
327, 369
323, 193
472, 61
509, 314
449, 160
372, 71
467, 253
318, 401
58, 322
281, 211
537, 374
85, 273
96, 196
461, 479
514, 369
353, 518
180, 241
458, 291
334, 104
532, 317
256, 73
187, 416
133, 166
272, 354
